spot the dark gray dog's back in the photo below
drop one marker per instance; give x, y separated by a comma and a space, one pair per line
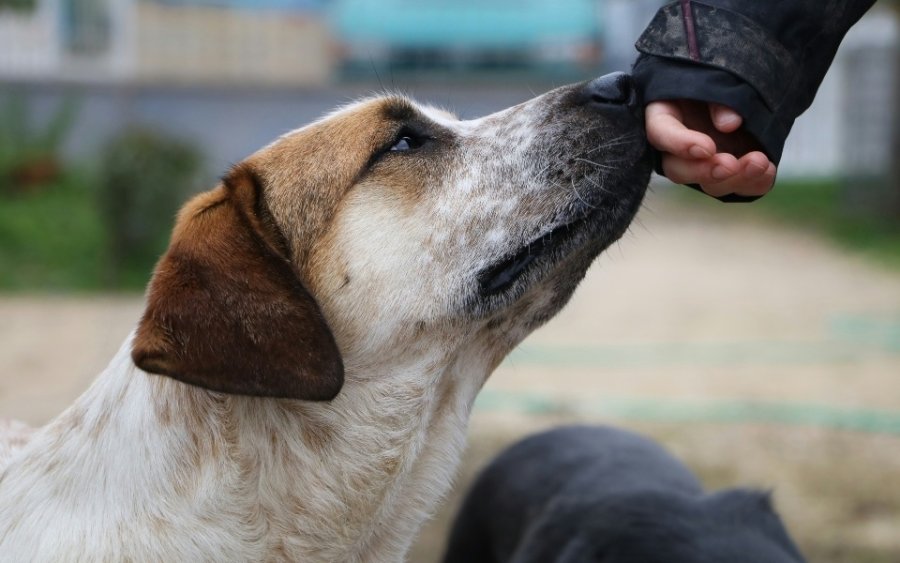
586, 494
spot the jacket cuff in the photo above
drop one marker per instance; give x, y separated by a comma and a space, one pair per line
726, 40
660, 78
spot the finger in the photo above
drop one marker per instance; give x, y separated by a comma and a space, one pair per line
725, 174
725, 165
724, 118
759, 174
754, 163
706, 171
667, 133
752, 180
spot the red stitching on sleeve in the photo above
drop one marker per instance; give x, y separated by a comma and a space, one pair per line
688, 15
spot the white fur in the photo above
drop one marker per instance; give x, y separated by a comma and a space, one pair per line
113, 483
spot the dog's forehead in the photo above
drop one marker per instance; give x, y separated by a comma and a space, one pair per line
335, 147
374, 119
439, 115
306, 172
403, 107
396, 103
356, 119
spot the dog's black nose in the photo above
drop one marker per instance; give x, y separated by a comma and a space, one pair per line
615, 89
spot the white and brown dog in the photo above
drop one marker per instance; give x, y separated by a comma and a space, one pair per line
325, 318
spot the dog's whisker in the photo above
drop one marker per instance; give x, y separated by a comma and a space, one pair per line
615, 141
578, 195
597, 164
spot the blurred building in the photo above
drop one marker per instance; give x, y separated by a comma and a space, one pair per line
303, 41
270, 44
267, 42
626, 19
558, 37
848, 128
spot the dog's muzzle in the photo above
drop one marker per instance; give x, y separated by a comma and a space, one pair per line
600, 167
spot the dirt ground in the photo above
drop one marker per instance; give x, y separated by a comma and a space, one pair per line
760, 355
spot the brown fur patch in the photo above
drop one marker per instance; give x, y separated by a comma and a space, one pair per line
226, 310
308, 172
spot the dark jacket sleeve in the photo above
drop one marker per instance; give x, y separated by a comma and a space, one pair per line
763, 58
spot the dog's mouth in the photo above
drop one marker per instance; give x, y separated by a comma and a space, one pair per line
501, 276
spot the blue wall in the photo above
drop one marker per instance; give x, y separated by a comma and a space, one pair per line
286, 5
465, 23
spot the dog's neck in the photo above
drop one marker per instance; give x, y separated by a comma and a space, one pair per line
238, 478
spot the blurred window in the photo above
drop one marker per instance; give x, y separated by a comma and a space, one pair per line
86, 26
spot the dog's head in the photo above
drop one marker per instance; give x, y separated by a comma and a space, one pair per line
388, 228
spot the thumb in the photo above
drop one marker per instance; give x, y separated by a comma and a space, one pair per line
724, 118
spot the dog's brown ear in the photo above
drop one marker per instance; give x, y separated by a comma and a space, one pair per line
225, 309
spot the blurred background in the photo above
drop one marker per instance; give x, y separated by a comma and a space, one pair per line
760, 342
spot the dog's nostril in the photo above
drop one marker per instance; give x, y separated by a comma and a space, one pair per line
612, 89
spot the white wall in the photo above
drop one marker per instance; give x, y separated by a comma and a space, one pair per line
29, 43
849, 126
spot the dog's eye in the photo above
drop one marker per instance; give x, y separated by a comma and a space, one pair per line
407, 141
404, 144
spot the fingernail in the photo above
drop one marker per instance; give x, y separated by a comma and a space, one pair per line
726, 119
720, 173
753, 170
697, 151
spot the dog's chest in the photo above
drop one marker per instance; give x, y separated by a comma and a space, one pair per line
366, 491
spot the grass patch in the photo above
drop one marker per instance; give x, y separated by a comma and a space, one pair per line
52, 239
65, 229
821, 205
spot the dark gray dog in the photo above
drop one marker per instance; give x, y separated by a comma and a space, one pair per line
599, 494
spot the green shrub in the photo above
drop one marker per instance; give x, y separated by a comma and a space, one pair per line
29, 155
18, 5
821, 205
144, 177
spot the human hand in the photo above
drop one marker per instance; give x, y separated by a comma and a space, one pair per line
704, 144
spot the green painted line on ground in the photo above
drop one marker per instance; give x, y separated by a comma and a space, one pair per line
882, 332
724, 411
691, 353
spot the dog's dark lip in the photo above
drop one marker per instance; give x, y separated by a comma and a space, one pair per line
502, 275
